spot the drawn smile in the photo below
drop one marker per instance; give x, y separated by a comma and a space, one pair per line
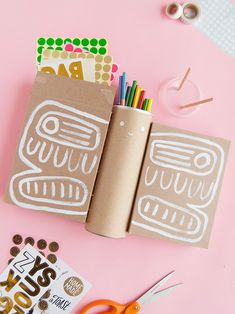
131, 133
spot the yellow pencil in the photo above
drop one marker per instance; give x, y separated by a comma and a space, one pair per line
149, 104
136, 97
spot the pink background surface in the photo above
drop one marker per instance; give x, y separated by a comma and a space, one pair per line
152, 49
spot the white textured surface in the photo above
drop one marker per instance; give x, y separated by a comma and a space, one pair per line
218, 23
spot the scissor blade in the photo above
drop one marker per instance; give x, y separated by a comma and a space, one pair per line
153, 289
159, 294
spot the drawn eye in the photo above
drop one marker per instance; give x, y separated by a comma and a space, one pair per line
122, 123
51, 125
202, 160
142, 129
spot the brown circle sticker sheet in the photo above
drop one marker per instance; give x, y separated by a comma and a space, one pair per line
48, 249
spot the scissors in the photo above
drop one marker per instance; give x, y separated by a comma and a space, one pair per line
134, 307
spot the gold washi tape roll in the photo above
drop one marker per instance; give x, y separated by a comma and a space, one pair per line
191, 13
174, 10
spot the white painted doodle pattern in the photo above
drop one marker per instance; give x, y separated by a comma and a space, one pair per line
189, 168
57, 138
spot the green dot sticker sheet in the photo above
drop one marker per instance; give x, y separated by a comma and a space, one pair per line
94, 45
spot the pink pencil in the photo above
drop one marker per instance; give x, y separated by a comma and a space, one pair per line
140, 102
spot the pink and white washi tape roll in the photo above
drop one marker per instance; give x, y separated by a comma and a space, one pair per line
174, 10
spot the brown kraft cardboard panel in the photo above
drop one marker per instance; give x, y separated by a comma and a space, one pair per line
179, 186
61, 144
119, 171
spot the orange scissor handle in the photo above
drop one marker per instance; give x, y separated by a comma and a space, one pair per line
132, 308
115, 308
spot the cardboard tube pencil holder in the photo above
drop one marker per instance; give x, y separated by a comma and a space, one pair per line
119, 171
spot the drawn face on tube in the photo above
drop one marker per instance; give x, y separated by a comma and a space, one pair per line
183, 174
128, 129
59, 144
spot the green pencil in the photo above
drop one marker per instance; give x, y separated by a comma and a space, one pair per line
127, 95
145, 104
132, 93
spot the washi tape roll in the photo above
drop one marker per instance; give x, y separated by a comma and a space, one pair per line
174, 11
191, 13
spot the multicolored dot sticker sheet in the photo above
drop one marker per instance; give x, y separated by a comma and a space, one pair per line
72, 48
103, 64
94, 45
80, 66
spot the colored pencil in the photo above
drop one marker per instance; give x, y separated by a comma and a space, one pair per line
132, 93
128, 91
136, 97
184, 79
140, 102
196, 103
145, 104
150, 104
119, 89
123, 89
